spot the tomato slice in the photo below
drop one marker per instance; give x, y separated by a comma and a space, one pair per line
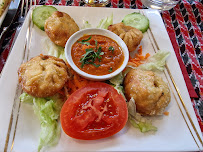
93, 112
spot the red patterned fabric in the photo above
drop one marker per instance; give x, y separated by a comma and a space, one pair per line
171, 32
6, 52
189, 52
184, 26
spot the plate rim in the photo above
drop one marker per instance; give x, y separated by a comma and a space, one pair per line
94, 8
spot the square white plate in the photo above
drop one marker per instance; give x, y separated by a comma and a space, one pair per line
20, 128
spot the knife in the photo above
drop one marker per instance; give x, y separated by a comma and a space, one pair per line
11, 15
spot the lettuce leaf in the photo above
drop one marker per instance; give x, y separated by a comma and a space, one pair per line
156, 62
53, 49
26, 98
138, 121
104, 23
86, 24
47, 110
142, 126
117, 82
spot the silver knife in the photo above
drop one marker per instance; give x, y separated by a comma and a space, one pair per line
8, 20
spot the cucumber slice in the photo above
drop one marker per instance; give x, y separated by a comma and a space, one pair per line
40, 14
137, 20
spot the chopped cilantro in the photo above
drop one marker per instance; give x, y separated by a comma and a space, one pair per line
85, 41
89, 38
110, 70
111, 48
91, 55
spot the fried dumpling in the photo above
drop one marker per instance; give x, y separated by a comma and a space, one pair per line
43, 75
150, 92
59, 27
130, 35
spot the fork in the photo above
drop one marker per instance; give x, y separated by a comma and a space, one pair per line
28, 5
23, 13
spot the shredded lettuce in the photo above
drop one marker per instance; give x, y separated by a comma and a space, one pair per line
156, 62
86, 24
117, 82
24, 97
143, 126
53, 49
104, 23
47, 110
137, 120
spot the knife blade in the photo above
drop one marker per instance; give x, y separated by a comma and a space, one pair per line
11, 15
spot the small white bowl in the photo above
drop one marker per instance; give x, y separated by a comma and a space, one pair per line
95, 31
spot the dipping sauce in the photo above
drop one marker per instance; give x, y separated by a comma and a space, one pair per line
97, 54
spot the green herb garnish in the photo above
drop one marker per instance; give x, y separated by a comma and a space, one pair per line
99, 52
85, 41
96, 44
111, 48
110, 70
91, 55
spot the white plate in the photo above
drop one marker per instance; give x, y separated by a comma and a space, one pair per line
175, 132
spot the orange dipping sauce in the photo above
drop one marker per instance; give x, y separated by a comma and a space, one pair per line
97, 54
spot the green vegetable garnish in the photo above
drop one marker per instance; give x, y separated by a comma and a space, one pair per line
104, 23
96, 44
138, 121
53, 49
156, 62
110, 70
41, 14
116, 82
137, 20
142, 126
86, 24
47, 110
111, 48
85, 41
91, 55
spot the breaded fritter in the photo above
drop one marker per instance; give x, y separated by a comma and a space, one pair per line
150, 92
59, 27
43, 75
130, 35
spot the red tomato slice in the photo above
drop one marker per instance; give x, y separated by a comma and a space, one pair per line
93, 112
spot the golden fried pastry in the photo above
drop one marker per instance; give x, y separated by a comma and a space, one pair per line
43, 75
130, 35
59, 27
150, 92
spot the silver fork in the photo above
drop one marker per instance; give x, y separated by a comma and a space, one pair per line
27, 6
23, 13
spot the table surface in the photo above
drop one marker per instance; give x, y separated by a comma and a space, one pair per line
184, 26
